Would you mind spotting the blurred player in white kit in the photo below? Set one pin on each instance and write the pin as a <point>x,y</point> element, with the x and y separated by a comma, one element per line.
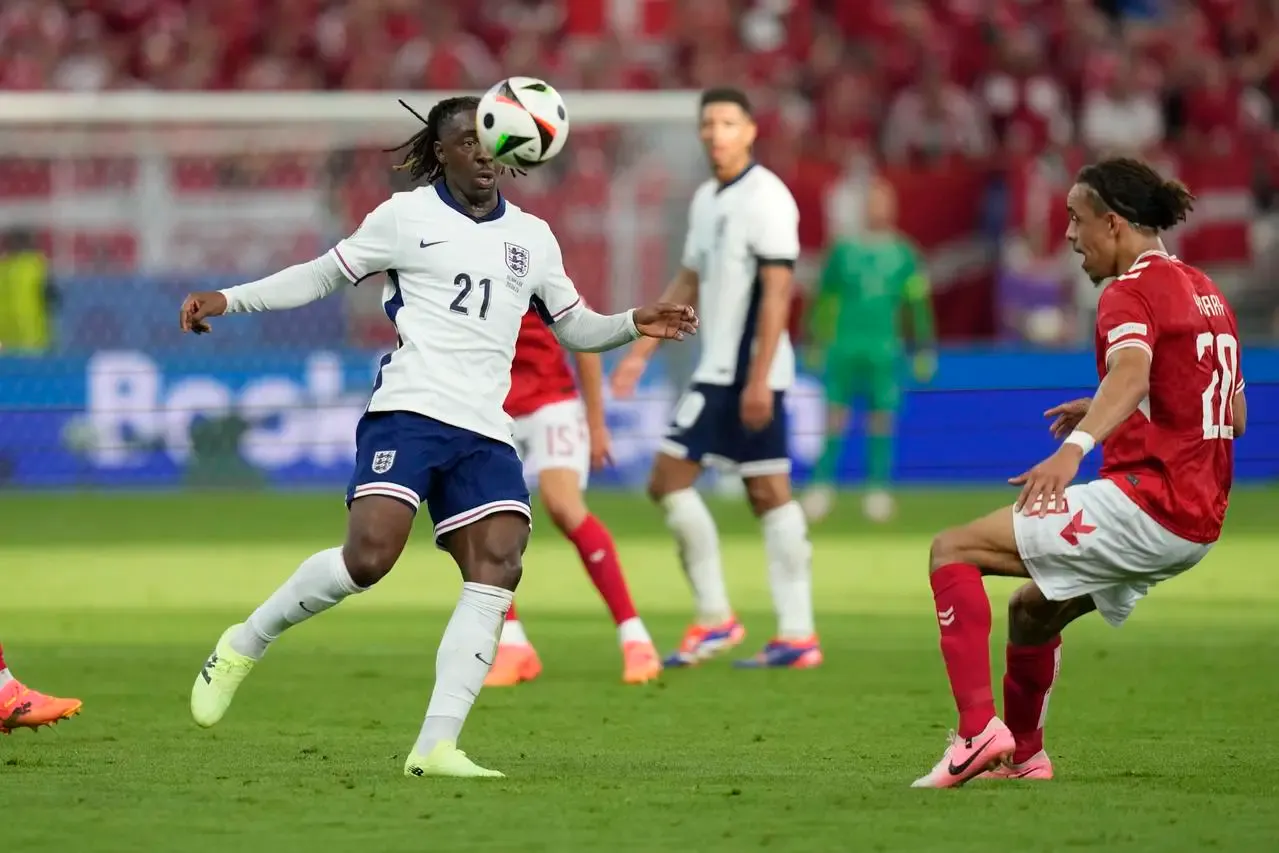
<point>738,262</point>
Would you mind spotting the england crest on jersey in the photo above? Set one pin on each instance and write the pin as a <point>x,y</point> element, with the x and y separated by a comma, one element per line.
<point>382,461</point>
<point>517,259</point>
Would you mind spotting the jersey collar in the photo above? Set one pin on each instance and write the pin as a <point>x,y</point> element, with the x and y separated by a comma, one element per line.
<point>442,190</point>
<point>743,173</point>
<point>1155,253</point>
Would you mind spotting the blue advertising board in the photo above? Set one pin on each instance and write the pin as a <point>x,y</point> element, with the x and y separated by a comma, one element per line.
<point>128,418</point>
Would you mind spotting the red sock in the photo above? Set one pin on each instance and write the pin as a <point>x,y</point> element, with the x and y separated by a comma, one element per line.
<point>1027,685</point>
<point>511,615</point>
<point>963,613</point>
<point>599,557</point>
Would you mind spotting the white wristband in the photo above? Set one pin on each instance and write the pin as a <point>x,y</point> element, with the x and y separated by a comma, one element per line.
<point>1082,440</point>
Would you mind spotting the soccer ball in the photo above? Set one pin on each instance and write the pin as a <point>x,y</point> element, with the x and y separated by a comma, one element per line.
<point>522,122</point>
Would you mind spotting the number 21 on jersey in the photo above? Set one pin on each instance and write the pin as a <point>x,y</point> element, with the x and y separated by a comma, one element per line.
<point>1219,415</point>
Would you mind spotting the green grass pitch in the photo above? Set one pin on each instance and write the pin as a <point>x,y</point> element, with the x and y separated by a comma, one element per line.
<point>1160,732</point>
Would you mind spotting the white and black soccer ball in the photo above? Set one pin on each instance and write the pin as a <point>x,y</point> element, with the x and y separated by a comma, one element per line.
<point>522,122</point>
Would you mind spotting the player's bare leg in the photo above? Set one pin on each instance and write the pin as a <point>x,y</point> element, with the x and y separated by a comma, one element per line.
<point>958,560</point>
<point>489,554</point>
<point>24,708</point>
<point>877,504</point>
<point>819,498</point>
<point>715,628</point>
<point>378,528</point>
<point>561,493</point>
<point>789,553</point>
<point>1034,660</point>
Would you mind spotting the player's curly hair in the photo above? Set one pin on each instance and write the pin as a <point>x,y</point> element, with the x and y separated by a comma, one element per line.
<point>420,159</point>
<point>1137,192</point>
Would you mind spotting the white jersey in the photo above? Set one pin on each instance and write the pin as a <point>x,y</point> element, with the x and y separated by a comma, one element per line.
<point>733,229</point>
<point>457,288</point>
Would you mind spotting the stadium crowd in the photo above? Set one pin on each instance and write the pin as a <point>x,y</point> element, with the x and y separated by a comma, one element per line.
<point>989,101</point>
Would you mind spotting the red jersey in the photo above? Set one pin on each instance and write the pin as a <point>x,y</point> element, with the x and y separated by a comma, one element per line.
<point>1174,456</point>
<point>539,372</point>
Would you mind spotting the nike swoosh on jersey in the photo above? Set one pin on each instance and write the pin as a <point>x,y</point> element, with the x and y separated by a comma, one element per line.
<point>422,244</point>
<point>956,770</point>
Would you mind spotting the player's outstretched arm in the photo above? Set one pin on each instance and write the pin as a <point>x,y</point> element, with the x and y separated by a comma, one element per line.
<point>294,287</point>
<point>581,329</point>
<point>682,290</point>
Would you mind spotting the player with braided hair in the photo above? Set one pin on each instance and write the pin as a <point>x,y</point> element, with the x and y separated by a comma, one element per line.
<point>1167,411</point>
<point>463,266</point>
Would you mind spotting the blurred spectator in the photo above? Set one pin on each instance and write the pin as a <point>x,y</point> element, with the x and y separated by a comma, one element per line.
<point>1027,105</point>
<point>1118,115</point>
<point>1035,294</point>
<point>1211,107</point>
<point>933,119</point>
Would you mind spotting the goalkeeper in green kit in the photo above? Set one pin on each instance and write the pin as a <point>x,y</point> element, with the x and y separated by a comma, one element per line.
<point>856,338</point>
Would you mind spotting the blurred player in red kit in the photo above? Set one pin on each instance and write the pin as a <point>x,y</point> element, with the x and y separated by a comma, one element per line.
<point>24,708</point>
<point>1167,411</point>
<point>561,438</point>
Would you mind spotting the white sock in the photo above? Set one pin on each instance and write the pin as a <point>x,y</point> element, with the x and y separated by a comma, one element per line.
<point>5,677</point>
<point>319,583</point>
<point>465,656</point>
<point>790,570</point>
<point>633,631</point>
<point>513,634</point>
<point>698,541</point>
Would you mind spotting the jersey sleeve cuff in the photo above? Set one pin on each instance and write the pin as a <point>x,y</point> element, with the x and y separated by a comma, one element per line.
<point>344,266</point>
<point>1130,343</point>
<point>762,262</point>
<point>565,310</point>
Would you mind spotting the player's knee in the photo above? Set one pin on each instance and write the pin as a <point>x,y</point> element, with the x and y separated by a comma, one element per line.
<point>659,486</point>
<point>369,557</point>
<point>767,493</point>
<point>947,548</point>
<point>670,475</point>
<point>1028,623</point>
<point>498,569</point>
<point>566,513</point>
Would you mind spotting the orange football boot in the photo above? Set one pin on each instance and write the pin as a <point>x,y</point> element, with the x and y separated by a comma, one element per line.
<point>24,708</point>
<point>640,662</point>
<point>514,663</point>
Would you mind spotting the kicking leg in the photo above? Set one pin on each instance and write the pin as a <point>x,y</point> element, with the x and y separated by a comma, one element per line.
<point>378,528</point>
<point>958,559</point>
<point>1034,660</point>
<point>789,555</point>
<point>489,553</point>
<point>561,492</point>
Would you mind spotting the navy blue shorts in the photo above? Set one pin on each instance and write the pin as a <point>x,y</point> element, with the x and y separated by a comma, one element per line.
<point>460,475</point>
<point>707,428</point>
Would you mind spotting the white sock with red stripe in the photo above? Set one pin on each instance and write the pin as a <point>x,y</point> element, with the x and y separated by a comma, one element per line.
<point>319,583</point>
